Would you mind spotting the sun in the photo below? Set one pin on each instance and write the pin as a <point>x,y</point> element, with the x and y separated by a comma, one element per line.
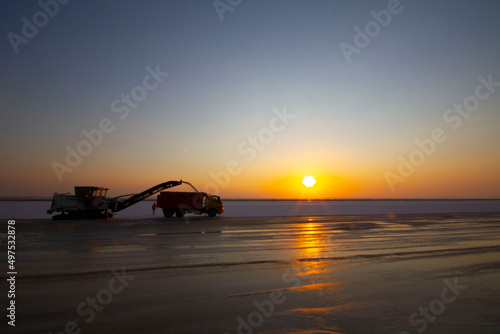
<point>309,181</point>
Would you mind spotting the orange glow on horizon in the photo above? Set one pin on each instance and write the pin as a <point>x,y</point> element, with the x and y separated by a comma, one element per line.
<point>323,187</point>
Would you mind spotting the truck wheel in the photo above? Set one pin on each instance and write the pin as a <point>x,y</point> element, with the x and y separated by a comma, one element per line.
<point>179,213</point>
<point>212,212</point>
<point>168,213</point>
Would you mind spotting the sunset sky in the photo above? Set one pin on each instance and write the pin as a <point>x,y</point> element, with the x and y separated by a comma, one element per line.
<point>246,100</point>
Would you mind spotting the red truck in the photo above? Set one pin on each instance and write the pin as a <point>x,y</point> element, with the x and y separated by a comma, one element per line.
<point>189,202</point>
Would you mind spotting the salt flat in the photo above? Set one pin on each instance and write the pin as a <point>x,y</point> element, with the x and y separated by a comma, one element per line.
<point>436,273</point>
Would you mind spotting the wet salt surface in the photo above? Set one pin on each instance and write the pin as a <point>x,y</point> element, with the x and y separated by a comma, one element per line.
<point>342,274</point>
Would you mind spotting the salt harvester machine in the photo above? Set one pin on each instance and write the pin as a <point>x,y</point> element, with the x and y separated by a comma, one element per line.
<point>91,202</point>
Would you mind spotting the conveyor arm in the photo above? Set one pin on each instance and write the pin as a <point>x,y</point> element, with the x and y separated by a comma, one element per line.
<point>118,206</point>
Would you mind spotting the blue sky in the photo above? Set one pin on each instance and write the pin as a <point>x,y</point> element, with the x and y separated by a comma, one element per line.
<point>225,79</point>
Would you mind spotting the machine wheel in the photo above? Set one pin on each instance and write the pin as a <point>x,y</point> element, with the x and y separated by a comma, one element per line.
<point>61,216</point>
<point>168,213</point>
<point>179,213</point>
<point>212,212</point>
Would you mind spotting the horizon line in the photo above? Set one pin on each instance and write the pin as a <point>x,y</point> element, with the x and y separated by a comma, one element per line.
<point>44,198</point>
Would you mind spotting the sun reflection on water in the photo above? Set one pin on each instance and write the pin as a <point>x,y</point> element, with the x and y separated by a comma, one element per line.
<point>312,240</point>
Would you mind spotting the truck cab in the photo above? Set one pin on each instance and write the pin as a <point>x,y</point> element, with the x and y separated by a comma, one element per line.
<point>214,202</point>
